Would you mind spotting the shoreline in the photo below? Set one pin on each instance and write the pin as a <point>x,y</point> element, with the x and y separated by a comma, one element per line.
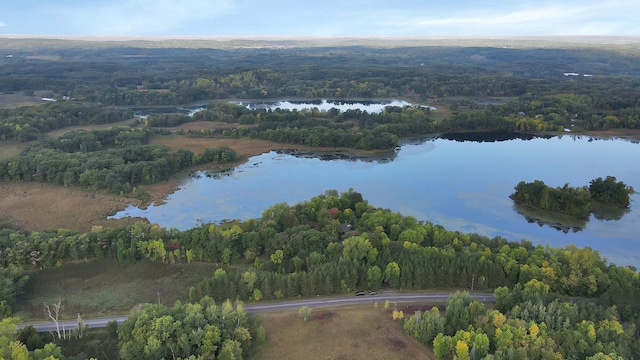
<point>36,206</point>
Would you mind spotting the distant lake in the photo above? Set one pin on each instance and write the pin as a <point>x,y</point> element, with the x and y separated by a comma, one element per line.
<point>489,101</point>
<point>461,185</point>
<point>373,106</point>
<point>370,106</point>
<point>144,112</point>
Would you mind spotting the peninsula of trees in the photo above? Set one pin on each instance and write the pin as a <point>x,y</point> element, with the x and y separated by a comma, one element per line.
<point>295,251</point>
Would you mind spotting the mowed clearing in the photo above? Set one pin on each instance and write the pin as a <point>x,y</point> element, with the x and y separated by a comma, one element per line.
<point>350,333</point>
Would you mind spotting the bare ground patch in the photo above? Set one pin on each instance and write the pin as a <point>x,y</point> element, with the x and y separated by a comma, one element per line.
<point>361,332</point>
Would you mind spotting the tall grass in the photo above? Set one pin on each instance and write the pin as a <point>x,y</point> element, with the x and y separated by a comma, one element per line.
<point>105,287</point>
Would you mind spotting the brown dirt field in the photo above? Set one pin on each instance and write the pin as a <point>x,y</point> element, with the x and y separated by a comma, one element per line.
<point>351,333</point>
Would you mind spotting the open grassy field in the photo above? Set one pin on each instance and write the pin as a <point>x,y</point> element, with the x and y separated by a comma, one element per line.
<point>38,206</point>
<point>59,132</point>
<point>349,333</point>
<point>104,287</point>
<point>9,149</point>
<point>15,99</point>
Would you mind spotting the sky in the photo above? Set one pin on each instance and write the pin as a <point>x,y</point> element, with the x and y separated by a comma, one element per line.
<point>327,18</point>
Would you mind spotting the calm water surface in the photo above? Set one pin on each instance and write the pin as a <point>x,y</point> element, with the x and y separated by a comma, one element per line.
<point>460,185</point>
<point>325,105</point>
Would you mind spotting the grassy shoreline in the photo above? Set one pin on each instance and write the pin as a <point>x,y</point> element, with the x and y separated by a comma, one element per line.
<point>37,206</point>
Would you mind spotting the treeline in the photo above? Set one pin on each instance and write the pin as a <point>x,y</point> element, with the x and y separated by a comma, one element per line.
<point>573,201</point>
<point>352,128</point>
<point>546,106</point>
<point>363,130</point>
<point>302,250</point>
<point>199,330</point>
<point>217,111</point>
<point>28,122</point>
<point>610,191</point>
<point>526,324</point>
<point>117,159</point>
<point>608,99</point>
<point>593,105</point>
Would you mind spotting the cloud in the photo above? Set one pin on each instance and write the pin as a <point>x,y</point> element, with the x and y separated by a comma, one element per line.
<point>141,17</point>
<point>327,18</point>
<point>542,19</point>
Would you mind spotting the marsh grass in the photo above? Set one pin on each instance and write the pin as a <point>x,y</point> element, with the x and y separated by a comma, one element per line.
<point>105,287</point>
<point>11,148</point>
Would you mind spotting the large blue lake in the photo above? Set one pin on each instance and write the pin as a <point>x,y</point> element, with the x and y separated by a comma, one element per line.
<point>462,185</point>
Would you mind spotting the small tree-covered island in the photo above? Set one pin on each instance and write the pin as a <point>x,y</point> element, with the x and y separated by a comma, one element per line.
<point>603,197</point>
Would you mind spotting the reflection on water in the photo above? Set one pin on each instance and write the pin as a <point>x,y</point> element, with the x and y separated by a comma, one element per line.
<point>485,136</point>
<point>380,157</point>
<point>460,185</point>
<point>609,213</point>
<point>554,221</point>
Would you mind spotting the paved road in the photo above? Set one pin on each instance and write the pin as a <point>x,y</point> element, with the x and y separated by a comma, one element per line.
<point>288,305</point>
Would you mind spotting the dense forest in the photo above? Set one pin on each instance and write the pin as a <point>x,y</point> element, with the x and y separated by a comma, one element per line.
<point>302,250</point>
<point>96,85</point>
<point>201,330</point>
<point>551,303</point>
<point>116,159</point>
